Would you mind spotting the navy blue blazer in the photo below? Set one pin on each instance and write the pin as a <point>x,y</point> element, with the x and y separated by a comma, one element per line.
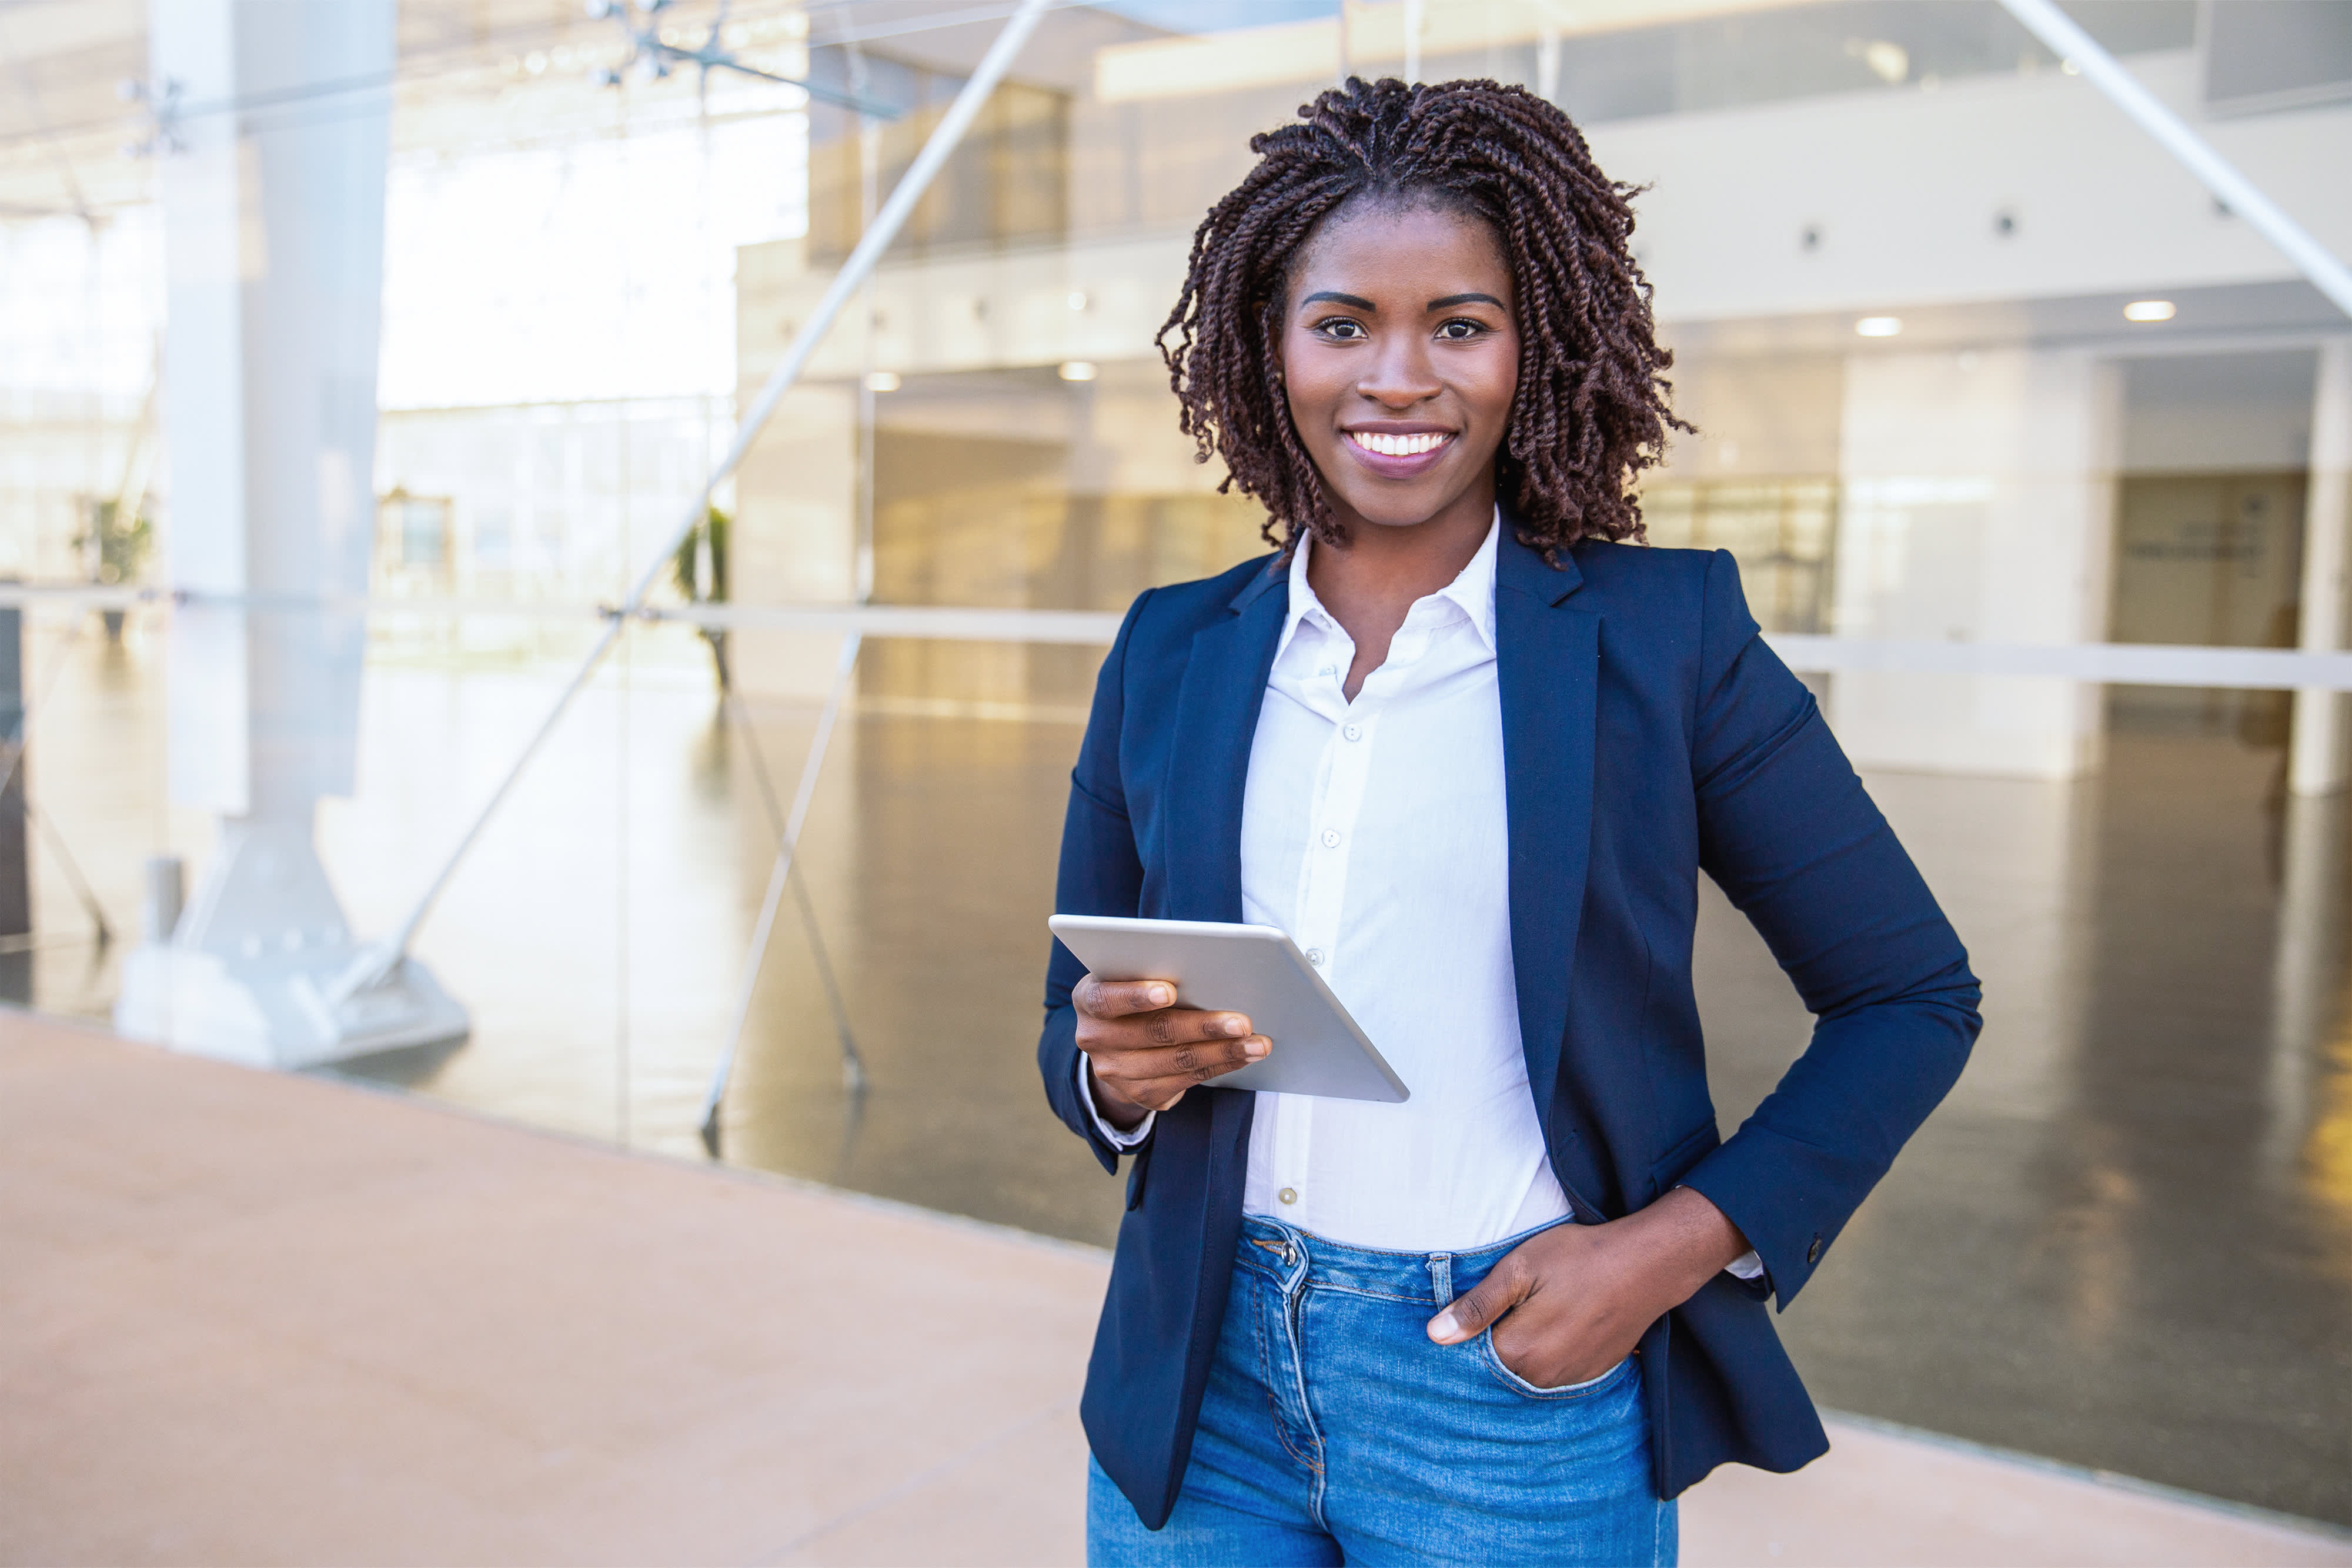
<point>1648,734</point>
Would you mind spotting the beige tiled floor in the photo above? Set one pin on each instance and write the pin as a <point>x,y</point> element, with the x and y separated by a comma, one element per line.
<point>256,1318</point>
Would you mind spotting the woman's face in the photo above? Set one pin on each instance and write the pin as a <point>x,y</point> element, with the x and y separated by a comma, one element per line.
<point>1399,353</point>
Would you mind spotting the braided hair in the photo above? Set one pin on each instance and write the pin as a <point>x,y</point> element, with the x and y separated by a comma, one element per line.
<point>1591,408</point>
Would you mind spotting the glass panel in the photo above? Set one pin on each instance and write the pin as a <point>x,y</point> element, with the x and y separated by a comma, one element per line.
<point>929,871</point>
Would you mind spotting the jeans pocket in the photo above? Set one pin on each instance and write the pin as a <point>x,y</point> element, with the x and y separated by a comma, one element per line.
<point>1511,1380</point>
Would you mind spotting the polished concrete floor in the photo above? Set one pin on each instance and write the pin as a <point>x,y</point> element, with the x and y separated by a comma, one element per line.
<point>2125,1243</point>
<point>2126,1239</point>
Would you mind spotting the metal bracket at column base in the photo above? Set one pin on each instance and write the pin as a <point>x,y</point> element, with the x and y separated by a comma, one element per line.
<point>275,1011</point>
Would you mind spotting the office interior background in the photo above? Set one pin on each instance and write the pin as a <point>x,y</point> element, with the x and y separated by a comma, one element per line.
<point>1988,388</point>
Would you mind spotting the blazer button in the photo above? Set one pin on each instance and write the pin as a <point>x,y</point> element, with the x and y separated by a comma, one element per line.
<point>1814,1253</point>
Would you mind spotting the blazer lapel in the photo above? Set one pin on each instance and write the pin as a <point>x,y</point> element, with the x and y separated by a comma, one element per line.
<point>1547,664</point>
<point>1216,721</point>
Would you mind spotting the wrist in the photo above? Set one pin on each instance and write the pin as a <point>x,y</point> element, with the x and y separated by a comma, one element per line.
<point>1679,1243</point>
<point>1117,1109</point>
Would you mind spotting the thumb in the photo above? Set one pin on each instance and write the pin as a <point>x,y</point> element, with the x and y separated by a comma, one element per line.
<point>1478,1309</point>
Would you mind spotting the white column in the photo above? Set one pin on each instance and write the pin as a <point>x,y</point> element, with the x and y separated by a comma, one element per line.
<point>2305,979</point>
<point>1976,505</point>
<point>2321,760</point>
<point>273,211</point>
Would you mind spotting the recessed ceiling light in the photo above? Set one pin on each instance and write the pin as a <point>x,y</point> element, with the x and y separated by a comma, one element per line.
<point>2149,310</point>
<point>1077,369</point>
<point>882,381</point>
<point>1879,326</point>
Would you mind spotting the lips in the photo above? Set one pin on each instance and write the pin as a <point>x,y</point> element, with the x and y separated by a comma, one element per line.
<point>1398,454</point>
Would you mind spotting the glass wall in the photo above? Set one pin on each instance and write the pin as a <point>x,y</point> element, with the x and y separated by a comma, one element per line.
<point>1981,380</point>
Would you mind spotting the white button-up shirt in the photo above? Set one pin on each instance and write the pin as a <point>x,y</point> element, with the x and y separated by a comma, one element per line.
<point>1374,833</point>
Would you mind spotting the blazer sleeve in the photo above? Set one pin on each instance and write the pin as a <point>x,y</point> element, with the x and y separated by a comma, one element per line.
<point>1789,833</point>
<point>1100,875</point>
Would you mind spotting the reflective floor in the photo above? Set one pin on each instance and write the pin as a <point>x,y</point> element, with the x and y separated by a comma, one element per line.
<point>2125,1241</point>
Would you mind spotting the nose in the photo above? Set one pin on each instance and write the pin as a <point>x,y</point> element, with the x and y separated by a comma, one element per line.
<point>1399,374</point>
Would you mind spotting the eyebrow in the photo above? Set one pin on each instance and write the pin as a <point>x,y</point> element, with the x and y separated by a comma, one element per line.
<point>1360,303</point>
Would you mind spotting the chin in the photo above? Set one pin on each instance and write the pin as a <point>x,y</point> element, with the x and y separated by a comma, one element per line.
<point>1404,518</point>
<point>1394,510</point>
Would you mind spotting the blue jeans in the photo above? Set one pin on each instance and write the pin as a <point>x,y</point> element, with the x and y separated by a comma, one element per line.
<point>1334,1431</point>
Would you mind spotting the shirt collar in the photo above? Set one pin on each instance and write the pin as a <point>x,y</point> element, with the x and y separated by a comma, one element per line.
<point>1473,589</point>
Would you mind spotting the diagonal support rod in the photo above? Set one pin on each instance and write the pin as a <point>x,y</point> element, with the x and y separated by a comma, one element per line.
<point>2067,40</point>
<point>22,737</point>
<point>380,960</point>
<point>853,1065</point>
<point>100,931</point>
<point>778,875</point>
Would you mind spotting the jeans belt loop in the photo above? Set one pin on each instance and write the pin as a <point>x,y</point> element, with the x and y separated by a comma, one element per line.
<point>1441,1277</point>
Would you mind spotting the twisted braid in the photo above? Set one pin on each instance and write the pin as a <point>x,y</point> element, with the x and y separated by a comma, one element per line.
<point>1591,410</point>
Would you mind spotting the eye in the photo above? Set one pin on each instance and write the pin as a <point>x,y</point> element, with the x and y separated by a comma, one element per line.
<point>1461,330</point>
<point>1342,328</point>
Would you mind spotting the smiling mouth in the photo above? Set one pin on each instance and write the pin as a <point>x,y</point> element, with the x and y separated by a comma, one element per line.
<point>1385,445</point>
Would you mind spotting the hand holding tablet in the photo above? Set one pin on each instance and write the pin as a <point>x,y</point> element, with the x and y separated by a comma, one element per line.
<point>1149,1056</point>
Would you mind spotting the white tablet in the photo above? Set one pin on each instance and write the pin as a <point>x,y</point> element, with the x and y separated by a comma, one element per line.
<point>1251,969</point>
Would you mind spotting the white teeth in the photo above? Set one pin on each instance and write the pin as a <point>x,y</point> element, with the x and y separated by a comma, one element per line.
<point>1397,446</point>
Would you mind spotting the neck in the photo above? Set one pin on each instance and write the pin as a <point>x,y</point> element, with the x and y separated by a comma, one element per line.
<point>1369,583</point>
<point>1392,564</point>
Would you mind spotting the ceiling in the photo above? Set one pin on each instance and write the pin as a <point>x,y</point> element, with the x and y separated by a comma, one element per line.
<point>66,125</point>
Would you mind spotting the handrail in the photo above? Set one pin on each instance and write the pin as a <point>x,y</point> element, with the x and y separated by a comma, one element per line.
<point>2118,663</point>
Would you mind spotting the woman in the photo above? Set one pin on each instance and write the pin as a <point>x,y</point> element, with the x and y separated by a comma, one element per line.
<point>1470,745</point>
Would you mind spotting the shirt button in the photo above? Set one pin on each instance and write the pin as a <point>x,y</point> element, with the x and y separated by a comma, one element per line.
<point>1354,732</point>
<point>1330,838</point>
<point>1289,1194</point>
<point>1329,670</point>
<point>1315,956</point>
